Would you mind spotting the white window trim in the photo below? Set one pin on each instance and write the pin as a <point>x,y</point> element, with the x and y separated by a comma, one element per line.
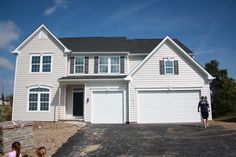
<point>39,95</point>
<point>169,67</point>
<point>78,65</point>
<point>41,63</point>
<point>108,64</point>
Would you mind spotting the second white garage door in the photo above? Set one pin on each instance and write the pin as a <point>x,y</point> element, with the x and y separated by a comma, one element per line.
<point>107,107</point>
<point>167,106</point>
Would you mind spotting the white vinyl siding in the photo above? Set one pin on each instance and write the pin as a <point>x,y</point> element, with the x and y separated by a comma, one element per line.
<point>134,61</point>
<point>24,79</point>
<point>79,65</point>
<point>148,77</point>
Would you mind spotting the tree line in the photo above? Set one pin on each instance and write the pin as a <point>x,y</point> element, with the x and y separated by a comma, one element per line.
<point>223,90</point>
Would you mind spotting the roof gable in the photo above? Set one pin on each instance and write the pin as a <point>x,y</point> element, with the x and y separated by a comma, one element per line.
<point>42,27</point>
<point>180,50</point>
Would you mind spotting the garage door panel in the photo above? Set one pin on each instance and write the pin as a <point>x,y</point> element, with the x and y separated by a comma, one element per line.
<point>107,107</point>
<point>167,106</point>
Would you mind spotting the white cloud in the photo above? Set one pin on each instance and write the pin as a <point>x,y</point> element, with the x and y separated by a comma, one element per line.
<point>57,4</point>
<point>6,64</point>
<point>208,50</point>
<point>128,11</point>
<point>9,33</point>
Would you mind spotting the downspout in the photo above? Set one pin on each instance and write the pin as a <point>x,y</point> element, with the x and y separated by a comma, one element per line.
<point>128,104</point>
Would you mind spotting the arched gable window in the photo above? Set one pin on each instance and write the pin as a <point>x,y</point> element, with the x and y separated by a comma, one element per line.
<point>38,98</point>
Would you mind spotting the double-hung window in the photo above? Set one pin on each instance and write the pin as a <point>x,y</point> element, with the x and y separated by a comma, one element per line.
<point>79,65</point>
<point>169,66</point>
<point>35,64</point>
<point>103,64</point>
<point>38,99</point>
<point>115,64</point>
<point>109,64</point>
<point>41,63</point>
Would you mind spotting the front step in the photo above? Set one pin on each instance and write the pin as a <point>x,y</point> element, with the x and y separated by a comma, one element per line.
<point>72,120</point>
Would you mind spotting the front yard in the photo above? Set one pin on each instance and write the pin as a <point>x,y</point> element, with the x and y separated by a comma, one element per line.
<point>52,135</point>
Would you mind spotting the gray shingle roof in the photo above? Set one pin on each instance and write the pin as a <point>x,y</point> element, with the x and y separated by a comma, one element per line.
<point>92,77</point>
<point>114,44</point>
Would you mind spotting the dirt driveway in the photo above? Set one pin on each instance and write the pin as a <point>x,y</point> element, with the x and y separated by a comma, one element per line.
<point>166,140</point>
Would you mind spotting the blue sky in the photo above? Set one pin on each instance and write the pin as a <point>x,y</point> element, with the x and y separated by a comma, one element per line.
<point>207,27</point>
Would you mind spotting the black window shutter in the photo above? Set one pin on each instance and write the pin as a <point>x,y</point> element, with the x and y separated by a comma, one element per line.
<point>122,65</point>
<point>72,62</point>
<point>176,67</point>
<point>162,68</point>
<point>96,65</point>
<point>86,65</point>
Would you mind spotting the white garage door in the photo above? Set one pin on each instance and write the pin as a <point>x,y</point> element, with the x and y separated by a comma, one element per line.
<point>168,106</point>
<point>107,107</point>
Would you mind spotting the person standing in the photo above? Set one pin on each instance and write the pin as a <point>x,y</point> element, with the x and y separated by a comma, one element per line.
<point>204,107</point>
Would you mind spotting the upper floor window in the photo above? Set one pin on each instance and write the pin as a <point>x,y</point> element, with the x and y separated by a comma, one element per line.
<point>109,64</point>
<point>115,64</point>
<point>79,64</point>
<point>41,63</point>
<point>103,64</point>
<point>38,99</point>
<point>169,67</point>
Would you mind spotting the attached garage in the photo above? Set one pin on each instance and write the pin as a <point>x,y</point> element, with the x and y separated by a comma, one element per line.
<point>168,106</point>
<point>107,107</point>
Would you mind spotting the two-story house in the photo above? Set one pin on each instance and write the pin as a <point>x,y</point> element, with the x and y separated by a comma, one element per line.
<point>107,80</point>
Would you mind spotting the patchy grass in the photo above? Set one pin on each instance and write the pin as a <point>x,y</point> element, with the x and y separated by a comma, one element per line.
<point>6,112</point>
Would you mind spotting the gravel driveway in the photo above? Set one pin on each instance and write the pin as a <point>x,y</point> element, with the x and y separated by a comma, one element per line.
<point>162,140</point>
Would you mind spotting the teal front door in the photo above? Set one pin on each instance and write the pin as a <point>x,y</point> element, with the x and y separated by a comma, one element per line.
<point>78,104</point>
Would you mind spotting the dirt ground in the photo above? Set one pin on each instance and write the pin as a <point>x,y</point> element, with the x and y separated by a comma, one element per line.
<point>226,125</point>
<point>52,135</point>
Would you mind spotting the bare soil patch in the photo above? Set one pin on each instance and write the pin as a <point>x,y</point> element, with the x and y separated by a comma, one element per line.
<point>51,135</point>
<point>226,125</point>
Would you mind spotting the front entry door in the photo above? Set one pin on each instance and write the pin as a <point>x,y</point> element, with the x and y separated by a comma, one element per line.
<point>78,103</point>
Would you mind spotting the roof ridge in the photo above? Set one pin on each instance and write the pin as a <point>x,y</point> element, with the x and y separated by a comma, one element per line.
<point>91,37</point>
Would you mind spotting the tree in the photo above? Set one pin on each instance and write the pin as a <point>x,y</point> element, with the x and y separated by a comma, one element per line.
<point>223,90</point>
